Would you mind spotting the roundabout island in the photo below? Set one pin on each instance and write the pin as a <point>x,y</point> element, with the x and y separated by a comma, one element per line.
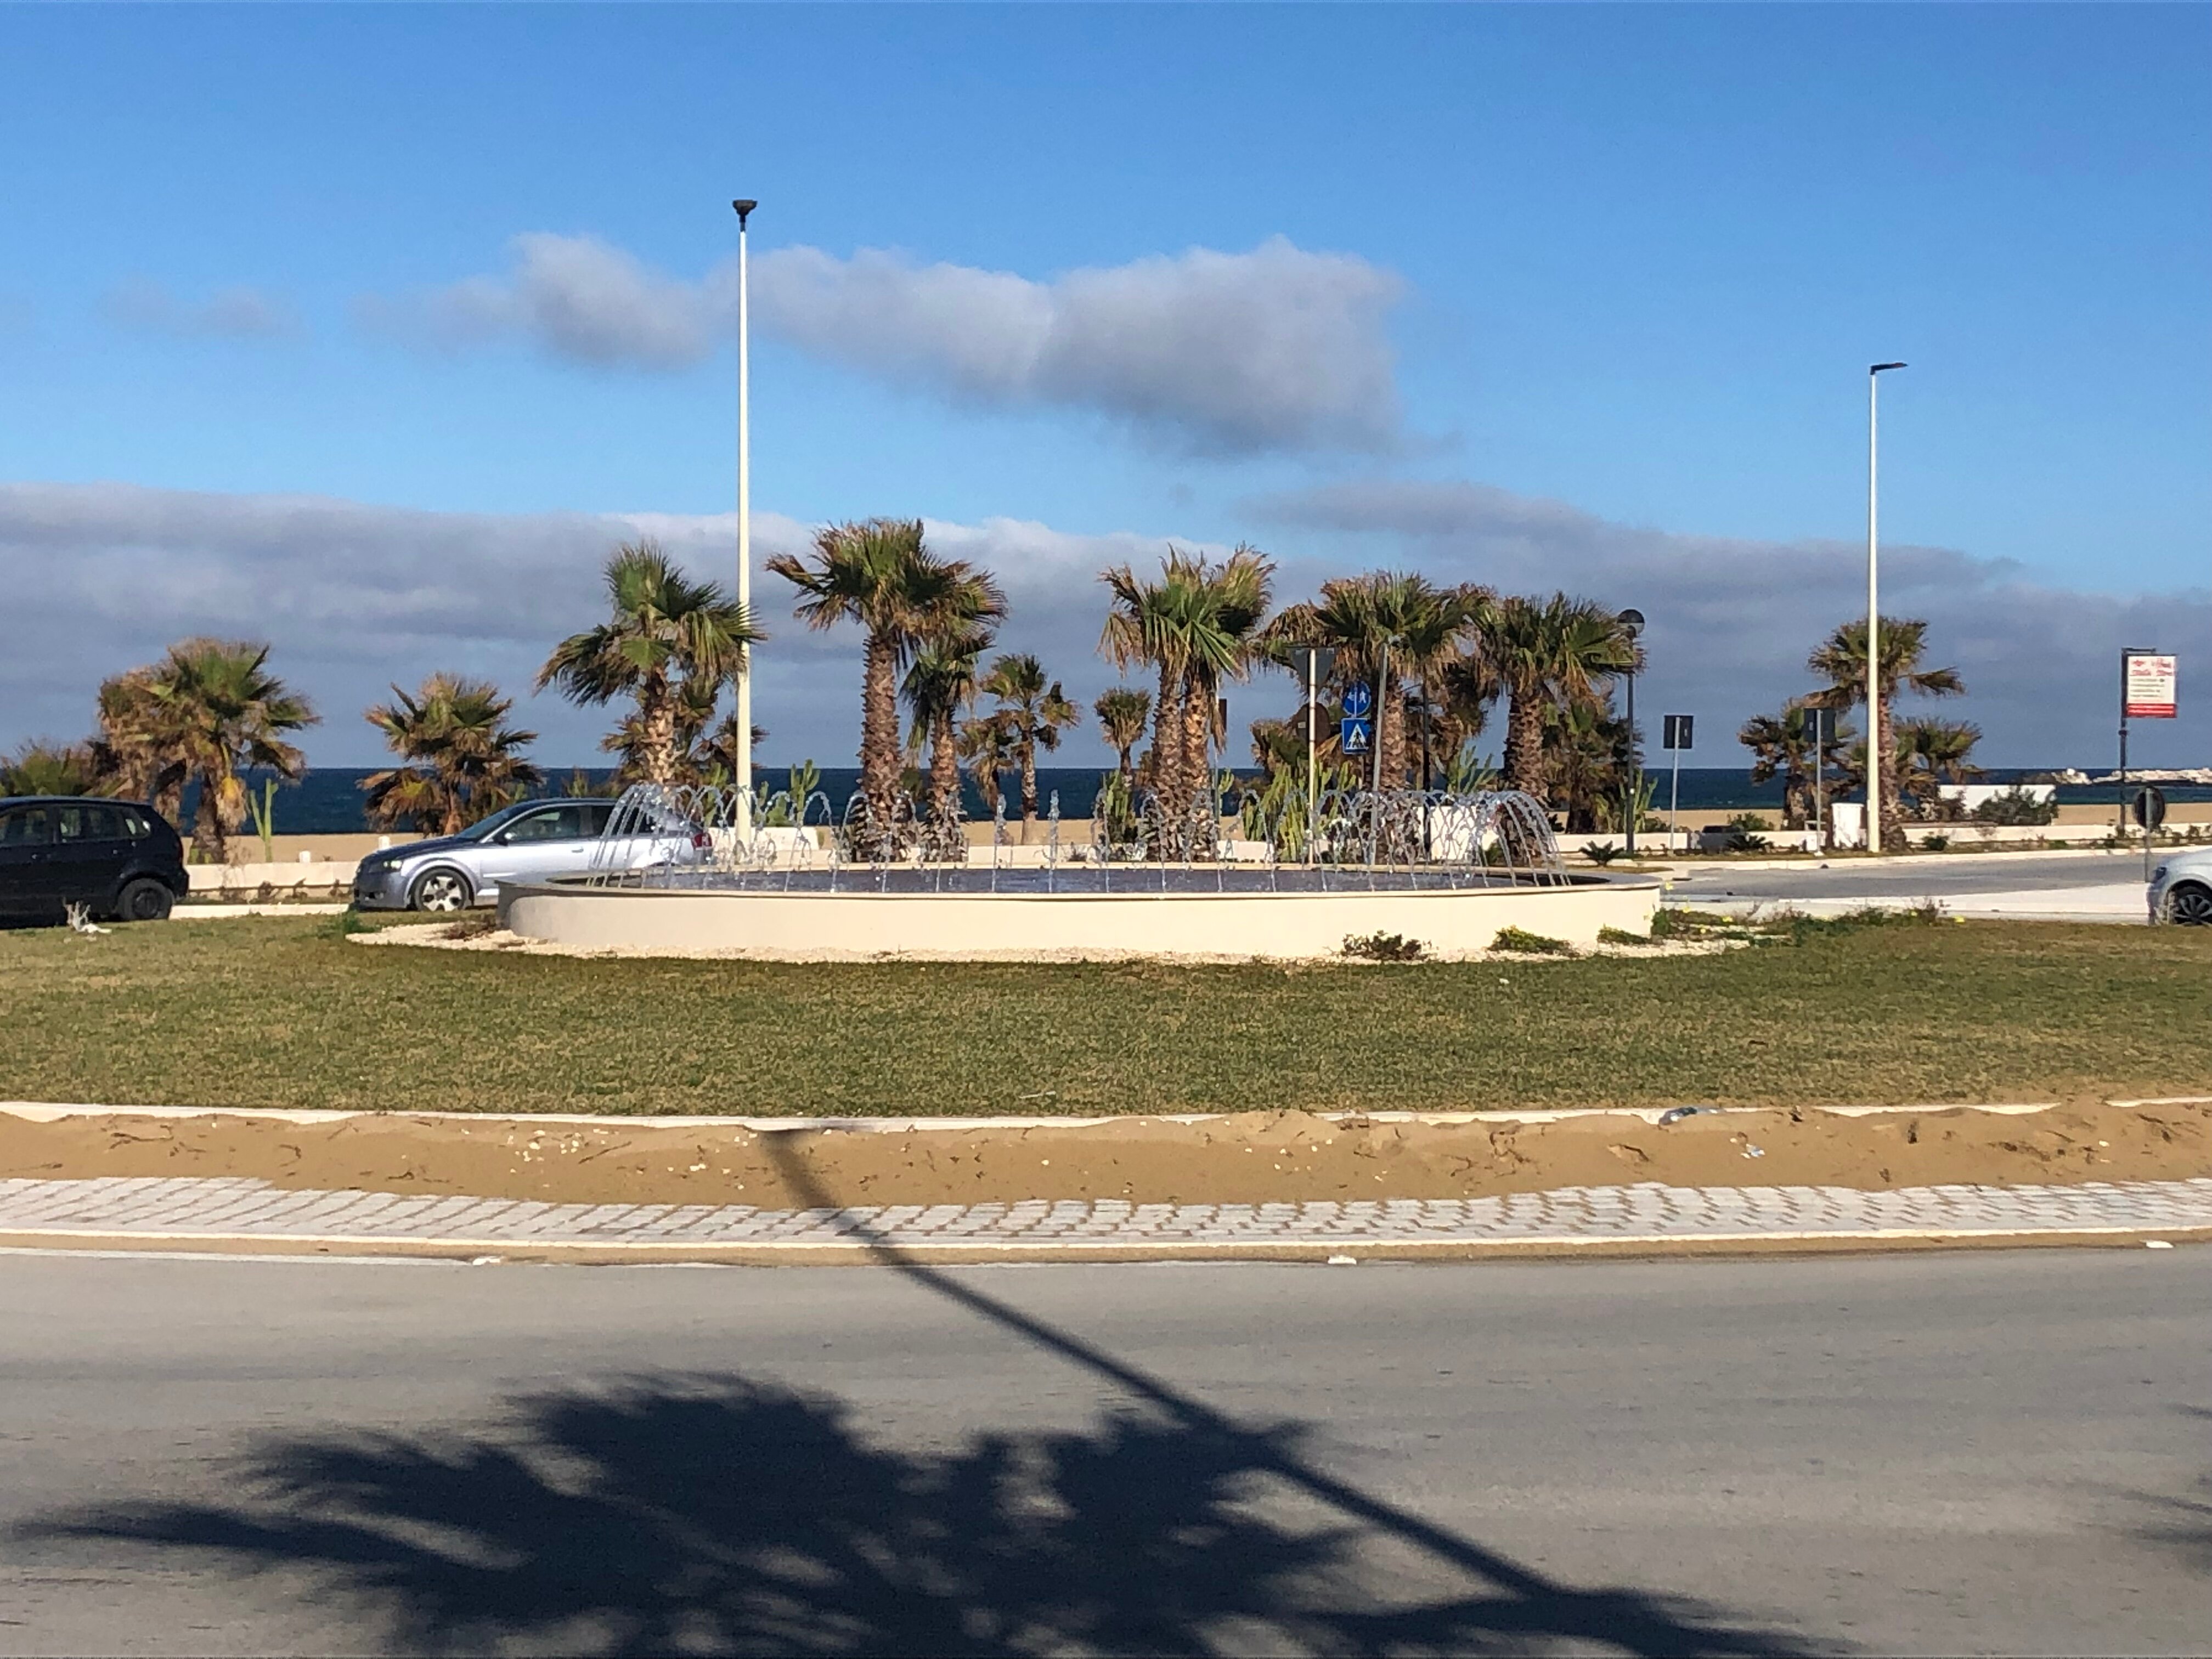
<point>684,872</point>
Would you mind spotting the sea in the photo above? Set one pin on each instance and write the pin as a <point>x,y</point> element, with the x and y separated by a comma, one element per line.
<point>328,800</point>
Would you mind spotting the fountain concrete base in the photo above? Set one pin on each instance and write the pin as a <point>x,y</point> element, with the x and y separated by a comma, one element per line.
<point>768,924</point>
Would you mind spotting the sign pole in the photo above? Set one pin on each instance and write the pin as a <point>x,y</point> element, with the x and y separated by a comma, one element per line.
<point>1675,802</point>
<point>1381,714</point>
<point>1819,777</point>
<point>1313,766</point>
<point>2125,652</point>
<point>1635,771</point>
<point>1676,731</point>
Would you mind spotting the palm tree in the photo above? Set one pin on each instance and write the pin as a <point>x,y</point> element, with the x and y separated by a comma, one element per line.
<point>1122,711</point>
<point>1585,751</point>
<point>1466,688</point>
<point>1388,627</point>
<point>881,574</point>
<point>669,641</point>
<point>939,682</point>
<point>463,762</point>
<point>137,754</point>
<point>217,710</point>
<point>1199,624</point>
<point>50,769</point>
<point>1034,713</point>
<point>1781,746</point>
<point>715,755</point>
<point>1145,625</point>
<point>1932,753</point>
<point>1841,660</point>
<point>986,746</point>
<point>1548,653</point>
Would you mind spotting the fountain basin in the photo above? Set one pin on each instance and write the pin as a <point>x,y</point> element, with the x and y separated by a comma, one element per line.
<point>1194,919</point>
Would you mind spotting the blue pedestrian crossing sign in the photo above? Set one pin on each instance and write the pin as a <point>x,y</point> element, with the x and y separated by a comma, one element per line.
<point>1355,737</point>
<point>1358,701</point>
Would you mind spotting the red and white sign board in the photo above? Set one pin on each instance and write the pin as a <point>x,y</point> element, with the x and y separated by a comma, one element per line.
<point>2150,689</point>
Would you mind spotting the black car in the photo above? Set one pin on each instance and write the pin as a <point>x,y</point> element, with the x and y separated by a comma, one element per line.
<point>118,859</point>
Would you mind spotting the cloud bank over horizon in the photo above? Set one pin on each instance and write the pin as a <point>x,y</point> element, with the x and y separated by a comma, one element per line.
<point>1203,352</point>
<point>355,596</point>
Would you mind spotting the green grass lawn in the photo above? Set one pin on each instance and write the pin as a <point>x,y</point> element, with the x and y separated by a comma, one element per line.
<point>287,1013</point>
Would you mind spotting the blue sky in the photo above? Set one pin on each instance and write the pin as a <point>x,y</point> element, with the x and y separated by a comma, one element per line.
<point>1561,295</point>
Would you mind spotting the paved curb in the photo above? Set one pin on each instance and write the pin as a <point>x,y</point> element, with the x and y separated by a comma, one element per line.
<point>243,1216</point>
<point>491,1252</point>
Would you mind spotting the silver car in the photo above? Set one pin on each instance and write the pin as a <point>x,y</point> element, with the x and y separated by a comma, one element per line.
<point>2181,889</point>
<point>534,842</point>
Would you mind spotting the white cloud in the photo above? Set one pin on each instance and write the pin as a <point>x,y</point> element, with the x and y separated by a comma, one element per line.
<point>1278,348</point>
<point>1227,353</point>
<point>235,313</point>
<point>576,297</point>
<point>1731,621</point>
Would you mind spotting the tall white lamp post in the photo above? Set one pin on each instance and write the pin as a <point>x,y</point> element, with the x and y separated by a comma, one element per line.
<point>1875,756</point>
<point>745,779</point>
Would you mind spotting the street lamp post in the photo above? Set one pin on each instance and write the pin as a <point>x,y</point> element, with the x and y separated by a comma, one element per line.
<point>1631,623</point>
<point>744,756</point>
<point>1875,756</point>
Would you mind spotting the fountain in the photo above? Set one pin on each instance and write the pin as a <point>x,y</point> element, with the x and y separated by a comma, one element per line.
<point>683,871</point>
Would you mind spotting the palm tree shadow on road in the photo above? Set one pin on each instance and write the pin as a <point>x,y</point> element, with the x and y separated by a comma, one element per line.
<point>674,1514</point>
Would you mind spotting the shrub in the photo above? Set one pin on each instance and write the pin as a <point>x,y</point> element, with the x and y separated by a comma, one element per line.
<point>1926,914</point>
<point>1527,944</point>
<point>1383,947</point>
<point>1744,835</point>
<point>1602,852</point>
<point>1622,936</point>
<point>1935,843</point>
<point>2016,805</point>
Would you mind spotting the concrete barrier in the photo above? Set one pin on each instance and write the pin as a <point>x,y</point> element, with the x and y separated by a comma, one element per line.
<point>277,878</point>
<point>777,924</point>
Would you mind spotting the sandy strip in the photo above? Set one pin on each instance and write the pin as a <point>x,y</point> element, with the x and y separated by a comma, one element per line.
<point>1249,1157</point>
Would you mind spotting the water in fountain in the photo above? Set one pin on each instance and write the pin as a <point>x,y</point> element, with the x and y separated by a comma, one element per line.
<point>664,836</point>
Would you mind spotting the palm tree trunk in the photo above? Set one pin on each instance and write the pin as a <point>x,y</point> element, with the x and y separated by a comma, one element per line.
<point>1391,734</point>
<point>944,768</point>
<point>1197,774</point>
<point>879,741</point>
<point>1524,744</point>
<point>1029,777</point>
<point>210,843</point>
<point>656,719</point>
<point>168,796</point>
<point>1167,741</point>
<point>1893,809</point>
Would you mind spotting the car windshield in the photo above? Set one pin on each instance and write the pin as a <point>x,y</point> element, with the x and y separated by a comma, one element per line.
<point>497,822</point>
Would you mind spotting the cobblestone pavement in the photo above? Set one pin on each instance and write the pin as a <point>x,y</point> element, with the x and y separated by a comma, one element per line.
<point>174,1210</point>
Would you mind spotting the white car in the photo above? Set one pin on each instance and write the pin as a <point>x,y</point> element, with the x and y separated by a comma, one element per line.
<point>534,842</point>
<point>2181,889</point>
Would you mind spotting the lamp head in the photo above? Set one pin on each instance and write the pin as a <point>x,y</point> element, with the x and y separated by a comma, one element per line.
<point>744,207</point>
<point>1877,368</point>
<point>1632,622</point>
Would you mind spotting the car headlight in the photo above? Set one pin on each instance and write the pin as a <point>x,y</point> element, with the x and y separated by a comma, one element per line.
<point>2158,875</point>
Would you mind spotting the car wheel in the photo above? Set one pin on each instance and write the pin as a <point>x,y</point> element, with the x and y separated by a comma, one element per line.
<point>2189,906</point>
<point>440,890</point>
<point>144,900</point>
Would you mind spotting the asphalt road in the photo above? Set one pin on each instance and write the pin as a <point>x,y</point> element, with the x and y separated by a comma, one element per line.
<point>1987,1451</point>
<point>1952,876</point>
